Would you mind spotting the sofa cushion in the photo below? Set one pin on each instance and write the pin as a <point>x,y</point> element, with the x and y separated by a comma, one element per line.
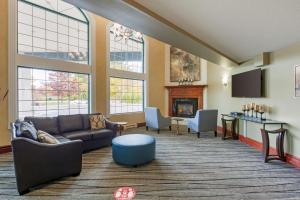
<point>101,133</point>
<point>27,130</point>
<point>46,138</point>
<point>47,124</point>
<point>86,121</point>
<point>78,135</point>
<point>97,122</point>
<point>68,123</point>
<point>61,139</point>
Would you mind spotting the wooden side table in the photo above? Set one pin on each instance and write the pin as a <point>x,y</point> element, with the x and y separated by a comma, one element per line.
<point>233,122</point>
<point>279,144</point>
<point>121,126</point>
<point>177,119</point>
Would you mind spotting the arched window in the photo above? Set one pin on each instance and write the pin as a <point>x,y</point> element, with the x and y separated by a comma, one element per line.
<point>51,61</point>
<point>53,29</point>
<point>126,71</point>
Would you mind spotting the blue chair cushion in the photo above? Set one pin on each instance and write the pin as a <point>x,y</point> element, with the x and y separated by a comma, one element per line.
<point>134,149</point>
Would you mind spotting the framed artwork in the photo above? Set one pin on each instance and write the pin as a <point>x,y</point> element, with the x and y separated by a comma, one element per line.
<point>297,81</point>
<point>184,66</point>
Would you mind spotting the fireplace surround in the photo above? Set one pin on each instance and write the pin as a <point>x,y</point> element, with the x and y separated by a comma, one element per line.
<point>184,107</point>
<point>185,100</point>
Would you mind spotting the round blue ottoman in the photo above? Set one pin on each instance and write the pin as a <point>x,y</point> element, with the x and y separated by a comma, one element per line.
<point>134,149</point>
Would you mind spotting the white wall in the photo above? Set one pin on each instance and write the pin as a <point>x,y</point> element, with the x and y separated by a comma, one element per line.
<point>279,79</point>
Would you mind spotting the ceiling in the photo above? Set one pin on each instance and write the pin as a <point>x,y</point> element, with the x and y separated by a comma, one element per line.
<point>133,15</point>
<point>241,29</point>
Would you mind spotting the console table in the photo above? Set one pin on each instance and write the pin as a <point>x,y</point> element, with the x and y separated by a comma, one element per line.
<point>265,134</point>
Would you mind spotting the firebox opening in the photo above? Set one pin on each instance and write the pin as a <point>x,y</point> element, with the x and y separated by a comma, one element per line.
<point>185,107</point>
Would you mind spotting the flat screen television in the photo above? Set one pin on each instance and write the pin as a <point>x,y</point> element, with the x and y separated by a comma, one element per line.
<point>248,84</point>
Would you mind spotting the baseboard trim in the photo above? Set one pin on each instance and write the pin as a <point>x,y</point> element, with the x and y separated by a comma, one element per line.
<point>291,159</point>
<point>257,145</point>
<point>5,149</point>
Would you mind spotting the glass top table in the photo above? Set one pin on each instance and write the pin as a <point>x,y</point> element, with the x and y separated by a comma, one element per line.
<point>256,120</point>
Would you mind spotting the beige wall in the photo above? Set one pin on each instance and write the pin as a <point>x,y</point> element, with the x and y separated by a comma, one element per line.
<point>280,95</point>
<point>154,56</point>
<point>156,73</point>
<point>4,135</point>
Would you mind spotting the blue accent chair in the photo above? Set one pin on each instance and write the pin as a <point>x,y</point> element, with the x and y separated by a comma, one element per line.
<point>204,121</point>
<point>155,120</point>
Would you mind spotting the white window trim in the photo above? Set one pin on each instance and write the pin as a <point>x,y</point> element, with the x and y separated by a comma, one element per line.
<point>15,60</point>
<point>125,74</point>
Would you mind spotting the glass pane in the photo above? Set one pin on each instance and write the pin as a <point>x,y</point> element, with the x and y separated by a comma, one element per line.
<point>52,35</point>
<point>126,95</point>
<point>49,93</point>
<point>127,56</point>
<point>61,7</point>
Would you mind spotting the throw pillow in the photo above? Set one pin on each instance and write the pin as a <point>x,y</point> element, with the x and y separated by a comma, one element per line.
<point>45,137</point>
<point>97,122</point>
<point>27,129</point>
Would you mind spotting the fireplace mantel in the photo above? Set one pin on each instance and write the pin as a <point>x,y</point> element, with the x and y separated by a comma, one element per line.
<point>185,91</point>
<point>185,86</point>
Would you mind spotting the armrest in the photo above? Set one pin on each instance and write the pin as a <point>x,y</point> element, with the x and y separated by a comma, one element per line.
<point>36,163</point>
<point>27,146</point>
<point>112,126</point>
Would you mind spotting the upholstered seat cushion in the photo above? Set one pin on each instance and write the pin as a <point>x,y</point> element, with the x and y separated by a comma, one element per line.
<point>133,149</point>
<point>61,139</point>
<point>68,123</point>
<point>47,124</point>
<point>78,135</point>
<point>86,121</point>
<point>101,133</point>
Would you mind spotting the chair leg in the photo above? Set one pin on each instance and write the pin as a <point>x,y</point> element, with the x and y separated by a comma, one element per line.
<point>170,128</point>
<point>198,134</point>
<point>189,130</point>
<point>147,128</point>
<point>216,134</point>
<point>158,131</point>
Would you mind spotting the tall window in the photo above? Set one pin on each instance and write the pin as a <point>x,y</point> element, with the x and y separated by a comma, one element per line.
<point>127,77</point>
<point>55,32</point>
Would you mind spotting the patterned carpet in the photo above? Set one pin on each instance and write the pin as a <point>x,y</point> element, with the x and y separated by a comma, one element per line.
<point>185,168</point>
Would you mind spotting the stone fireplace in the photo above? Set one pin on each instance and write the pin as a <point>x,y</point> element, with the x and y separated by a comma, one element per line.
<point>185,100</point>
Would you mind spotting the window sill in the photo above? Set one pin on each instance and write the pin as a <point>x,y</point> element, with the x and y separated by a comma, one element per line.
<point>127,113</point>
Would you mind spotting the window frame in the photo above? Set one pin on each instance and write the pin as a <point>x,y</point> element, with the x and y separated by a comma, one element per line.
<point>15,60</point>
<point>122,74</point>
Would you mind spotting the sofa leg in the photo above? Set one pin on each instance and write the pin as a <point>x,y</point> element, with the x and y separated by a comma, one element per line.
<point>198,134</point>
<point>170,128</point>
<point>147,128</point>
<point>158,131</point>
<point>216,134</point>
<point>189,130</point>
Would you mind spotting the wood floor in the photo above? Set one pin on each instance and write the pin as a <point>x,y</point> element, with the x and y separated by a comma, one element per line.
<point>185,168</point>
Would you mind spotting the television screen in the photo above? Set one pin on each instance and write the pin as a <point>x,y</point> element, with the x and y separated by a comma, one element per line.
<point>247,84</point>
